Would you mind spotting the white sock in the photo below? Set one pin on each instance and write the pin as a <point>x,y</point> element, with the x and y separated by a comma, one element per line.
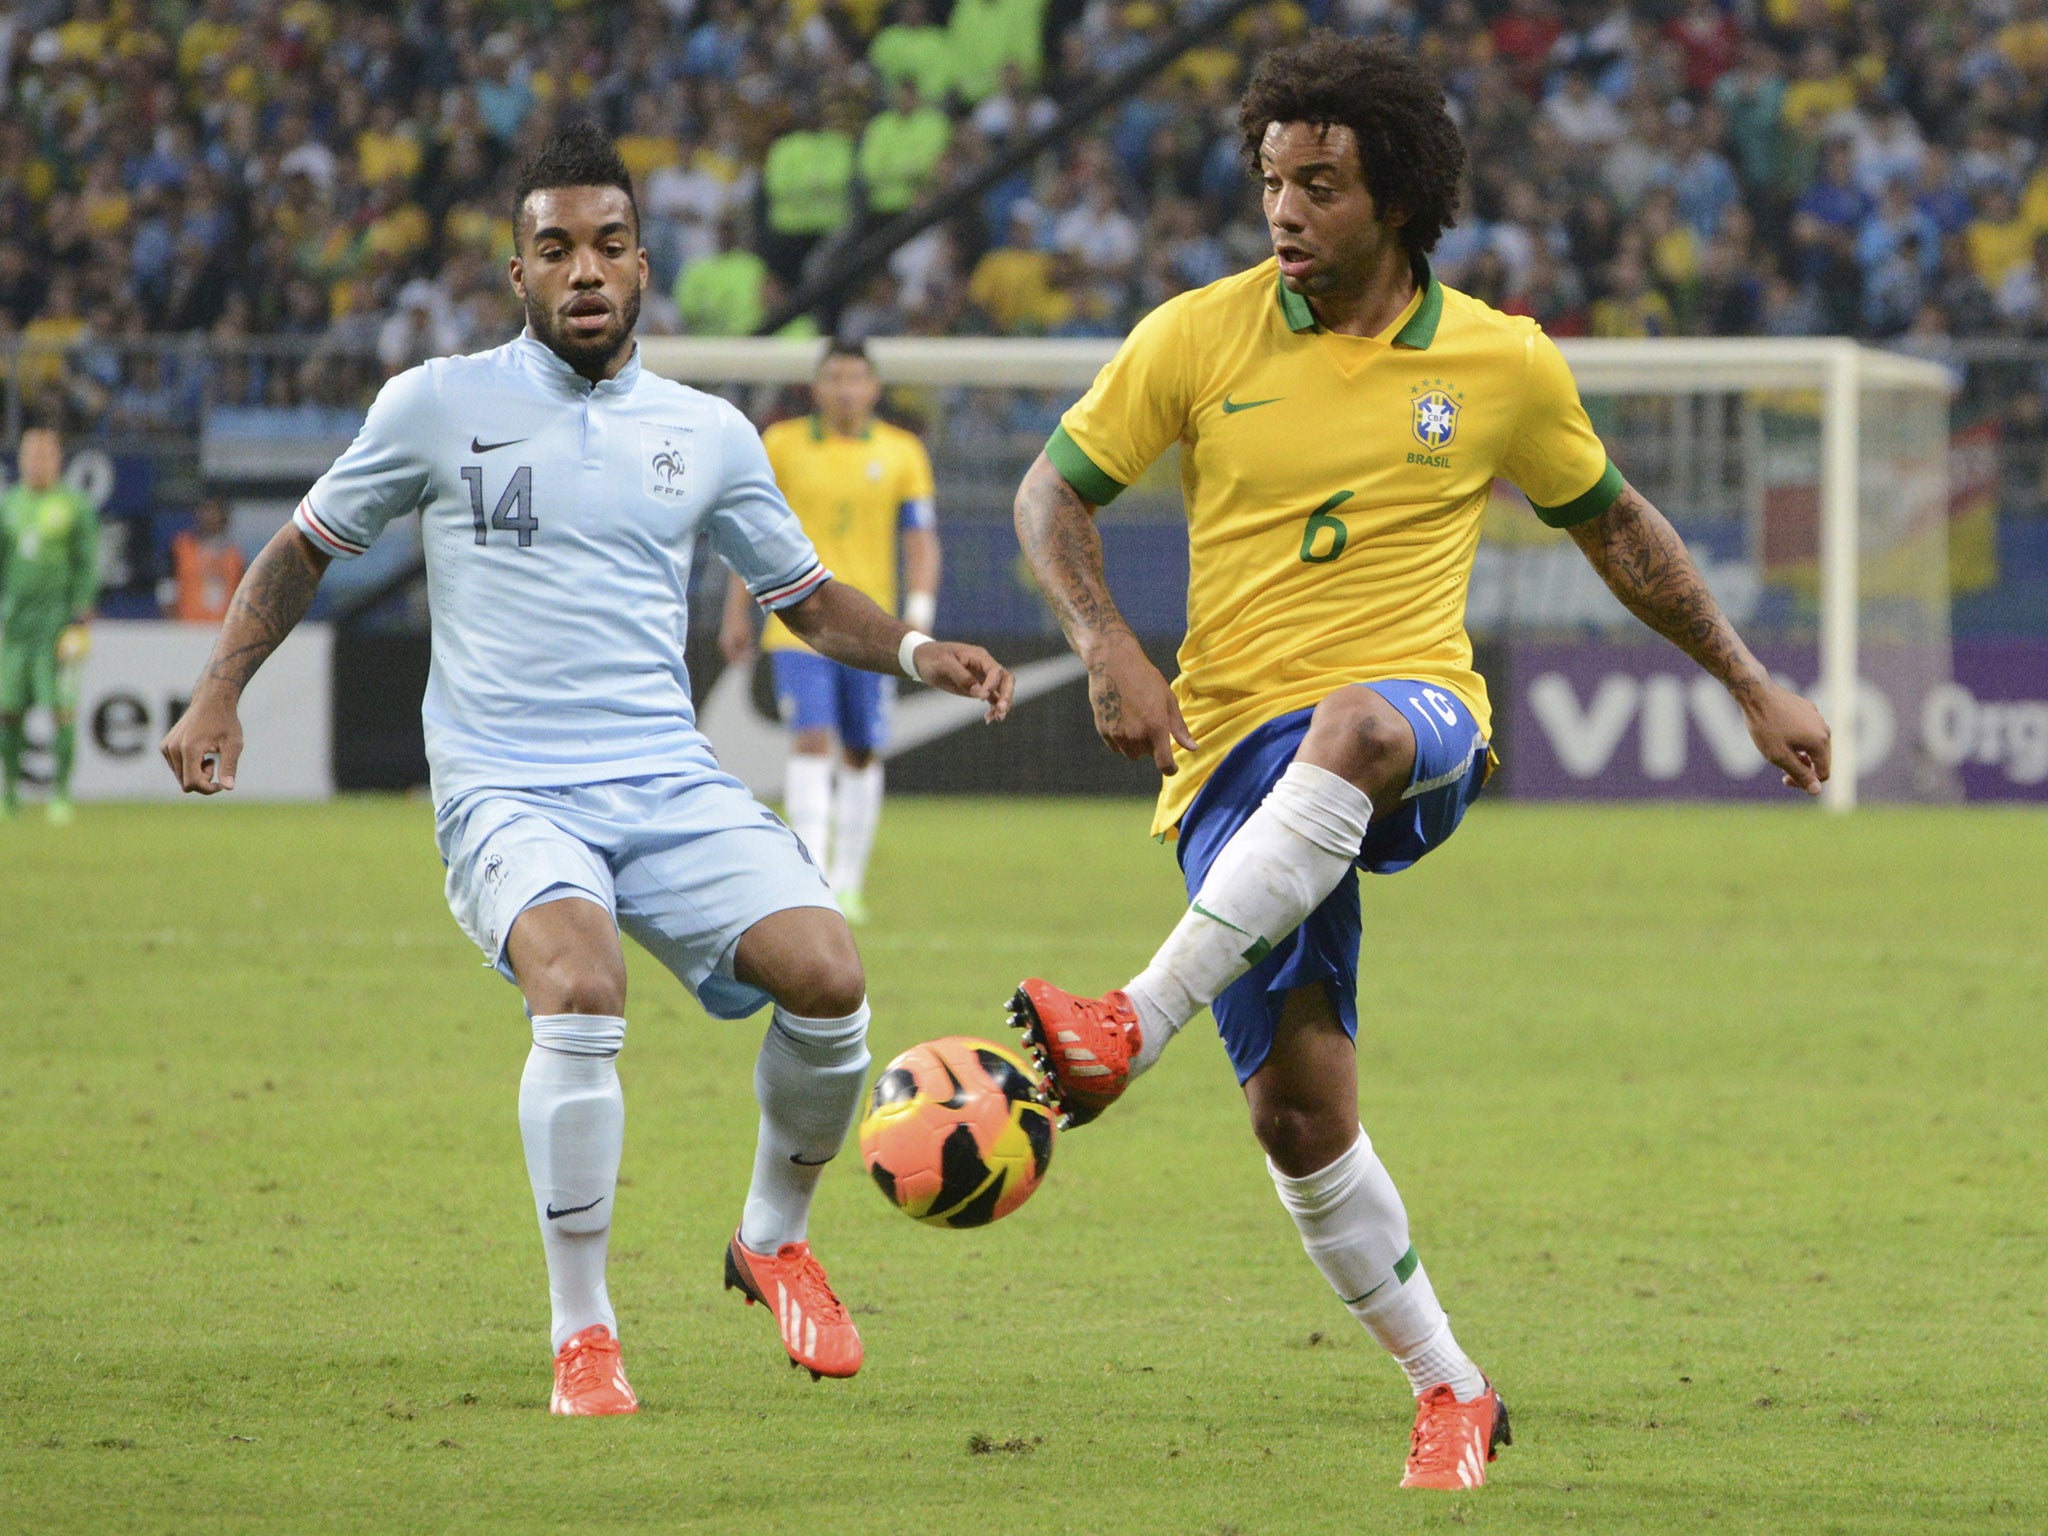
<point>1355,1228</point>
<point>808,1079</point>
<point>807,801</point>
<point>572,1118</point>
<point>856,808</point>
<point>1275,870</point>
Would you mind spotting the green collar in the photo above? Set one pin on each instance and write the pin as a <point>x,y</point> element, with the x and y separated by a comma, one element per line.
<point>1420,330</point>
<point>818,429</point>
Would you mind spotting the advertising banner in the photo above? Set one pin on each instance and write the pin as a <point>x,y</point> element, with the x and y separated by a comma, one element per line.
<point>137,682</point>
<point>1601,719</point>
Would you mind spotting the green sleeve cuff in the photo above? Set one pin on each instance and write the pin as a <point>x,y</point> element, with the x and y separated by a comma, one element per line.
<point>1580,509</point>
<point>1079,471</point>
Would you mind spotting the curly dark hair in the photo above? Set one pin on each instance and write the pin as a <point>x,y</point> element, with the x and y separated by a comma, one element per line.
<point>1410,149</point>
<point>577,154</point>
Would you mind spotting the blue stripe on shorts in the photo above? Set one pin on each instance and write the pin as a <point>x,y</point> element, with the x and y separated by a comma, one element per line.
<point>1450,767</point>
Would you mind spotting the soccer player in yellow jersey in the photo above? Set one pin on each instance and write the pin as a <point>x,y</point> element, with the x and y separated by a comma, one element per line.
<point>1341,417</point>
<point>858,486</point>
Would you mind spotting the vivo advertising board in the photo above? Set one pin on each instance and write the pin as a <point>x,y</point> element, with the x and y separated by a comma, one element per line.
<point>1602,719</point>
<point>138,680</point>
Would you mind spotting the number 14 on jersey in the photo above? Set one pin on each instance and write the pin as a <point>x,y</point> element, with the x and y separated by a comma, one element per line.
<point>514,511</point>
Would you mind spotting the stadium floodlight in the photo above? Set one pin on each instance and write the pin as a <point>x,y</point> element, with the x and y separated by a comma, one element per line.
<point>1837,452</point>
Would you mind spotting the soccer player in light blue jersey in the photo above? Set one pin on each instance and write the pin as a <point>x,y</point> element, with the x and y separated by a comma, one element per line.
<point>561,490</point>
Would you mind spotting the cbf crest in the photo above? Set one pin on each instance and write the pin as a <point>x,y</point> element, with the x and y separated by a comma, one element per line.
<point>664,458</point>
<point>1436,417</point>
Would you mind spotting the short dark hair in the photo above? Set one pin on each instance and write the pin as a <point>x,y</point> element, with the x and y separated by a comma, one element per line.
<point>846,346</point>
<point>1408,147</point>
<point>577,154</point>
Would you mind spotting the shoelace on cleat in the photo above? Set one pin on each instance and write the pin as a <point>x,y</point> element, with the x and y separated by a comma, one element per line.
<point>1437,1441</point>
<point>590,1367</point>
<point>814,1292</point>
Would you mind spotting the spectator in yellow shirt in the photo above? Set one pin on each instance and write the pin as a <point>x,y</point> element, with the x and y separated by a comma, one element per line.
<point>1014,284</point>
<point>1632,308</point>
<point>386,150</point>
<point>649,147</point>
<point>1999,238</point>
<point>210,35</point>
<point>1823,90</point>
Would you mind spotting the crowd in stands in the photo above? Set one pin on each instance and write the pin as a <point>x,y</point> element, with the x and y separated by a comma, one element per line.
<point>339,171</point>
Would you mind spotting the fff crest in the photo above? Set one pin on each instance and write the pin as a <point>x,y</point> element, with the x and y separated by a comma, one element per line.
<point>1436,419</point>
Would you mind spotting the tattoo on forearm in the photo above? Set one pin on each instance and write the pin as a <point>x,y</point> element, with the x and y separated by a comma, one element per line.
<point>271,600</point>
<point>1643,561</point>
<point>1065,550</point>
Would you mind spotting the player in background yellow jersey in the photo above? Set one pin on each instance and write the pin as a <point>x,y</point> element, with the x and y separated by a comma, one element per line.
<point>861,488</point>
<point>1341,417</point>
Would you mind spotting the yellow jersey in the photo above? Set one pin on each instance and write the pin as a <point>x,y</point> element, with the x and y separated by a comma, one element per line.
<point>852,495</point>
<point>1334,487</point>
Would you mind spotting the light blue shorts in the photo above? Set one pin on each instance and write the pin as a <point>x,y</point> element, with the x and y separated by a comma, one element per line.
<point>685,865</point>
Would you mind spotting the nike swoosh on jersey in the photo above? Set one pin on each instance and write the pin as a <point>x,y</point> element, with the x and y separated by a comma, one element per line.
<point>477,445</point>
<point>1232,407</point>
<point>572,1210</point>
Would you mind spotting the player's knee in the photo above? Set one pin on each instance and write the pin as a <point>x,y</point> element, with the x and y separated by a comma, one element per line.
<point>826,982</point>
<point>572,983</point>
<point>1358,734</point>
<point>1301,1138</point>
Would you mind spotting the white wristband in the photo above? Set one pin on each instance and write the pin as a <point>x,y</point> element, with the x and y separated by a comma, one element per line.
<point>908,649</point>
<point>921,610</point>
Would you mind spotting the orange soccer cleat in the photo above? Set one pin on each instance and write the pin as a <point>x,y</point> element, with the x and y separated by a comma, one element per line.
<point>815,1328</point>
<point>1083,1045</point>
<point>589,1378</point>
<point>1454,1441</point>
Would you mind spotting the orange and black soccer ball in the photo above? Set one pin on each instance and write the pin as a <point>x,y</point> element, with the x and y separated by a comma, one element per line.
<point>955,1133</point>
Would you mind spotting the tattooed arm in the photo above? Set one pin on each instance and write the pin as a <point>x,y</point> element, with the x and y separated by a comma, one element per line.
<point>1135,712</point>
<point>1641,558</point>
<point>273,597</point>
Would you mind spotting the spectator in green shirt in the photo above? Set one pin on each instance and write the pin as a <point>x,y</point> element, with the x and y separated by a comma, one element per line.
<point>911,46</point>
<point>900,148</point>
<point>732,292</point>
<point>807,180</point>
<point>725,293</point>
<point>986,35</point>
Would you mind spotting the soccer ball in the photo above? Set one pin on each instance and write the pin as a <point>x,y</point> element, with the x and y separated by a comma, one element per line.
<point>955,1132</point>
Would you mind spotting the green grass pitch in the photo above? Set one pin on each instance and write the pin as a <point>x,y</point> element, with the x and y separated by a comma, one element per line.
<point>1722,1131</point>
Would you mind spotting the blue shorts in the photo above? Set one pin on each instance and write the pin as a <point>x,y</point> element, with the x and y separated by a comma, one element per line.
<point>816,693</point>
<point>1450,767</point>
<point>685,864</point>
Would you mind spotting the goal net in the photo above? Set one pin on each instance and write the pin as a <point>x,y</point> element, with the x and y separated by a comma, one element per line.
<point>1809,478</point>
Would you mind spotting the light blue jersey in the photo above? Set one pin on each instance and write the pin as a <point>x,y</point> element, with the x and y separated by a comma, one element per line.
<point>559,518</point>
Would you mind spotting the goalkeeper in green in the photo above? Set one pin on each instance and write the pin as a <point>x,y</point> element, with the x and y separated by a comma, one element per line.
<point>49,581</point>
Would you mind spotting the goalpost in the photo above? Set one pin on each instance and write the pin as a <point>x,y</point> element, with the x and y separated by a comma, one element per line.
<point>1815,471</point>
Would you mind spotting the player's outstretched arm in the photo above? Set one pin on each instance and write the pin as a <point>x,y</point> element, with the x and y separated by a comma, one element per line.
<point>273,596</point>
<point>1136,714</point>
<point>847,625</point>
<point>1644,562</point>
